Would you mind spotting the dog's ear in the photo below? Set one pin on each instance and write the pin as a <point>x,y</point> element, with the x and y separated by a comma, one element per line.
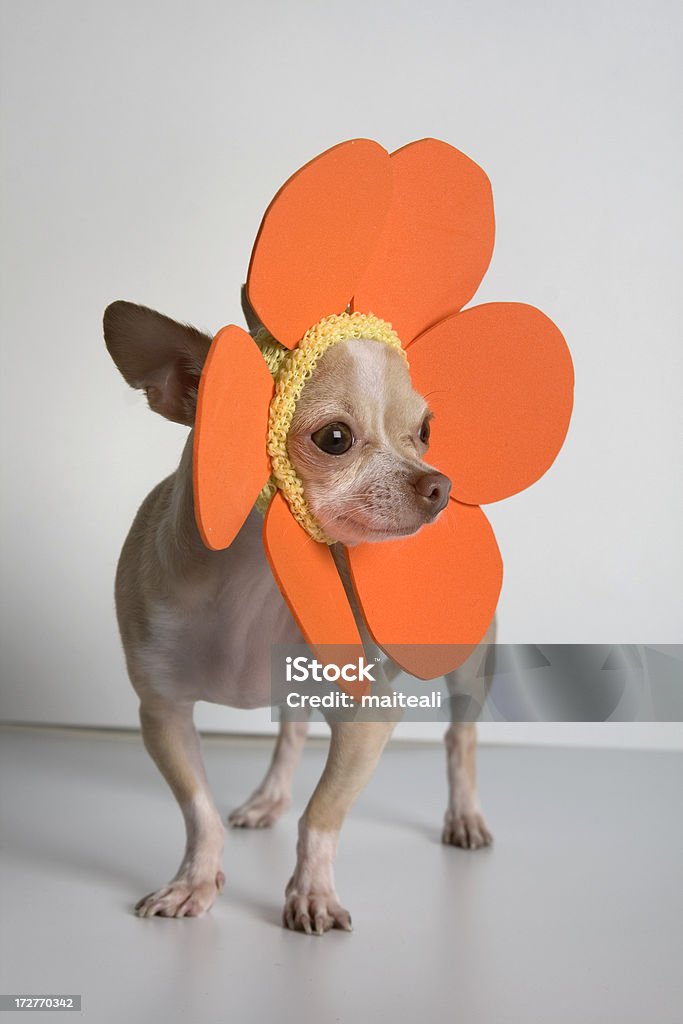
<point>250,314</point>
<point>161,357</point>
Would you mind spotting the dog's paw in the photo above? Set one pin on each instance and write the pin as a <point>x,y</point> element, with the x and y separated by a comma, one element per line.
<point>314,913</point>
<point>181,898</point>
<point>468,831</point>
<point>259,811</point>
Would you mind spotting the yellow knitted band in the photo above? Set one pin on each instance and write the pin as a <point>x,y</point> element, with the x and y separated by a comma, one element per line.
<point>291,370</point>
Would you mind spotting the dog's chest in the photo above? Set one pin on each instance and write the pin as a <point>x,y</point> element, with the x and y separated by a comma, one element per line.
<point>216,644</point>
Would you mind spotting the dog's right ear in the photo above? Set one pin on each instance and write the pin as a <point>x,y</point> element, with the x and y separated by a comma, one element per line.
<point>158,355</point>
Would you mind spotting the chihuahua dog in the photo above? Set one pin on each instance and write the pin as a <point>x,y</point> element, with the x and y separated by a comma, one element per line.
<point>198,624</point>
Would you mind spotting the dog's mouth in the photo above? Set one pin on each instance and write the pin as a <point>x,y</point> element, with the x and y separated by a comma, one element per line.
<point>351,530</point>
<point>366,536</point>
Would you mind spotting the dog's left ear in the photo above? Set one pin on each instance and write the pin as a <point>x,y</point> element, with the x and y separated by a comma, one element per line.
<point>250,314</point>
<point>158,355</point>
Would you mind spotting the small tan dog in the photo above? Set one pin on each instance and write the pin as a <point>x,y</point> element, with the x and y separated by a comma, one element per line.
<point>198,624</point>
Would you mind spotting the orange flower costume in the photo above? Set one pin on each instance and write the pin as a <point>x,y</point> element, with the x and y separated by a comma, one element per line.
<point>403,241</point>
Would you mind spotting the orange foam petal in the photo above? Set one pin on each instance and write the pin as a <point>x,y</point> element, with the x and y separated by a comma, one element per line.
<point>500,380</point>
<point>230,465</point>
<point>317,237</point>
<point>437,240</point>
<point>310,584</point>
<point>429,599</point>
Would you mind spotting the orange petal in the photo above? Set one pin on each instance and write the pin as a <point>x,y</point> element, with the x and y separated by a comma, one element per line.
<point>437,240</point>
<point>317,237</point>
<point>429,599</point>
<point>500,380</point>
<point>307,576</point>
<point>230,465</point>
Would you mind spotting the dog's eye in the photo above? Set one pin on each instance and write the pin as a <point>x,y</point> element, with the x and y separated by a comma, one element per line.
<point>335,438</point>
<point>425,431</point>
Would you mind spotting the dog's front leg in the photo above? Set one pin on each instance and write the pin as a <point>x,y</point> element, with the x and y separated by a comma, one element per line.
<point>311,899</point>
<point>171,738</point>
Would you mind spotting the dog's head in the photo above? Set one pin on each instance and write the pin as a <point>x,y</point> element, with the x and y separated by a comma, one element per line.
<point>358,441</point>
<point>359,436</point>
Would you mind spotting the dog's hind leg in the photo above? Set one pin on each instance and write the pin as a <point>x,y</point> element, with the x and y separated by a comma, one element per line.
<point>273,796</point>
<point>171,738</point>
<point>464,823</point>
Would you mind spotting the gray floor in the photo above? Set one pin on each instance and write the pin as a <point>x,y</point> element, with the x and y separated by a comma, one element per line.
<point>573,915</point>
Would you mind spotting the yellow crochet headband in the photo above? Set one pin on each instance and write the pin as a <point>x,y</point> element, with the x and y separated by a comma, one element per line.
<point>291,369</point>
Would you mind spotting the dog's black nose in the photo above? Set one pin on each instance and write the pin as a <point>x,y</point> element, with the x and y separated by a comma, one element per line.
<point>432,492</point>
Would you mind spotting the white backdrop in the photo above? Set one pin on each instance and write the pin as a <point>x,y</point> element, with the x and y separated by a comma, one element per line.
<point>141,143</point>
